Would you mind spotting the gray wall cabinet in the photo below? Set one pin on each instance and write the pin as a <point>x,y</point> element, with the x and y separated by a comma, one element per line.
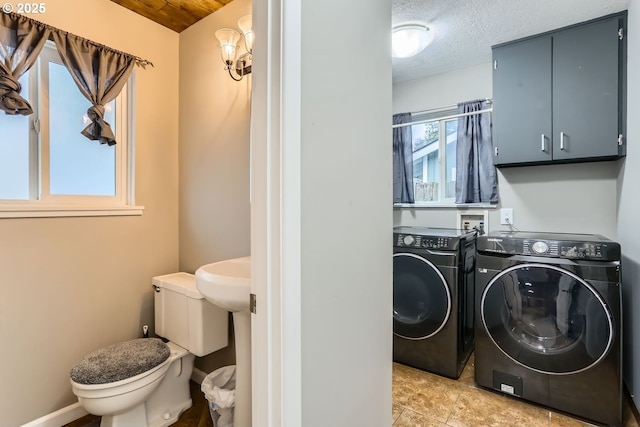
<point>560,97</point>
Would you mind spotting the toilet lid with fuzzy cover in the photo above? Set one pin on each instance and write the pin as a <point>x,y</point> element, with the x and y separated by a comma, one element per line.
<point>120,361</point>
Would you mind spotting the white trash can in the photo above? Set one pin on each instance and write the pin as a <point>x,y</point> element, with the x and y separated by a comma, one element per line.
<point>219,387</point>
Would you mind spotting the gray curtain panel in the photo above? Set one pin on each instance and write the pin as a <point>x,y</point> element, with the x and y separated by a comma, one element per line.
<point>21,41</point>
<point>100,73</point>
<point>476,179</point>
<point>402,160</point>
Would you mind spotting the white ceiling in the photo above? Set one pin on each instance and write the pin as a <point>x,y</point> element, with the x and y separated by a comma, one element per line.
<point>465,30</point>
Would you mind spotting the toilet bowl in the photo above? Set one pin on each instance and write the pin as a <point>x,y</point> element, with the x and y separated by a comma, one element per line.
<point>145,382</point>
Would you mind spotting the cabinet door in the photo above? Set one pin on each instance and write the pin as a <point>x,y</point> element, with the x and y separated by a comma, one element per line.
<point>522,102</point>
<point>585,91</point>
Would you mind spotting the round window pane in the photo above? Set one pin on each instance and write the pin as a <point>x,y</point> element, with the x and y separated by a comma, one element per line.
<point>421,298</point>
<point>547,319</point>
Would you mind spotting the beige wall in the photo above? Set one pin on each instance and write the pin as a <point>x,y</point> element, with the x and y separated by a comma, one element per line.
<point>71,285</point>
<point>214,154</point>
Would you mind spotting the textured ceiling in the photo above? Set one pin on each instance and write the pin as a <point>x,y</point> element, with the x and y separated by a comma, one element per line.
<point>465,30</point>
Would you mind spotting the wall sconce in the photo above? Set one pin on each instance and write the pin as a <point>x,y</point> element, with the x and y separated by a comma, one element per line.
<point>228,39</point>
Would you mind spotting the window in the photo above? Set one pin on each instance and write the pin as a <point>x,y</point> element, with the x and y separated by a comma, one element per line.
<point>47,167</point>
<point>434,156</point>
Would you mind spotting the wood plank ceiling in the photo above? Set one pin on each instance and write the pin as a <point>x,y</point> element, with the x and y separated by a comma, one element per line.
<point>174,14</point>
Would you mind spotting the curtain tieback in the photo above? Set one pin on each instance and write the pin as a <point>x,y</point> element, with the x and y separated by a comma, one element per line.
<point>10,100</point>
<point>98,129</point>
<point>95,112</point>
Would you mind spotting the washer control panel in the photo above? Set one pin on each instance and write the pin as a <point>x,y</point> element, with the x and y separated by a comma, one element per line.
<point>539,247</point>
<point>583,250</point>
<point>572,249</point>
<point>586,250</point>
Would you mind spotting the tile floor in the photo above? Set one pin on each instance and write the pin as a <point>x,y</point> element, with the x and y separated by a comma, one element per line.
<point>422,399</point>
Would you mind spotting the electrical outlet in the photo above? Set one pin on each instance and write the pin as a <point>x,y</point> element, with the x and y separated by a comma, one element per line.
<point>506,216</point>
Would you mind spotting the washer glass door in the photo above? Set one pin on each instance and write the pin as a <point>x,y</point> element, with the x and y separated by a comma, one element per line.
<point>421,297</point>
<point>547,319</point>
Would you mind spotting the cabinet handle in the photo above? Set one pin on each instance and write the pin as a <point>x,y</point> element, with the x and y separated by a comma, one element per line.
<point>543,146</point>
<point>562,140</point>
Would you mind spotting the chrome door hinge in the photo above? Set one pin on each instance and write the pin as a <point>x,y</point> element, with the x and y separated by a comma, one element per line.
<point>495,151</point>
<point>620,139</point>
<point>252,303</point>
<point>620,33</point>
<point>495,64</point>
<point>36,125</point>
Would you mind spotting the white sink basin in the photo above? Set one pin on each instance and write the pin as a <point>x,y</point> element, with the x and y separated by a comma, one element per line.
<point>226,284</point>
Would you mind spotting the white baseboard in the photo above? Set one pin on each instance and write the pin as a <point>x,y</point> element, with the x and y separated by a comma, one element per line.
<point>198,376</point>
<point>59,417</point>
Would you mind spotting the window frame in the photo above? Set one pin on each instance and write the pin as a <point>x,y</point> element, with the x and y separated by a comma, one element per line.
<point>441,117</point>
<point>44,204</point>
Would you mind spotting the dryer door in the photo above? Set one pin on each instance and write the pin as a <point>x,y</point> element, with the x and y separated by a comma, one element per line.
<point>547,319</point>
<point>421,297</point>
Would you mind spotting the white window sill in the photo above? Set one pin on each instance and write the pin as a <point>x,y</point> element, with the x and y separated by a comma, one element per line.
<point>439,205</point>
<point>46,211</point>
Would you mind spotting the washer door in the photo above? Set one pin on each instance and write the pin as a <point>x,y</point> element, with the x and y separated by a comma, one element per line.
<point>421,297</point>
<point>547,319</point>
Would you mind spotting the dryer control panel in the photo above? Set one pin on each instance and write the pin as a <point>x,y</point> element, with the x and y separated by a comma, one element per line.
<point>403,240</point>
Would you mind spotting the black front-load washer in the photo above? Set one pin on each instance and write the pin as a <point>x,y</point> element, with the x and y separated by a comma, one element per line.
<point>433,298</point>
<point>548,321</point>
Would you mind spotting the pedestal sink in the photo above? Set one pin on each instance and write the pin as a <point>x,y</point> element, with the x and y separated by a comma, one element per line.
<point>227,284</point>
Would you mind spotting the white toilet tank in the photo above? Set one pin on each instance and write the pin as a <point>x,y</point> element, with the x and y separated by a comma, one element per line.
<point>184,317</point>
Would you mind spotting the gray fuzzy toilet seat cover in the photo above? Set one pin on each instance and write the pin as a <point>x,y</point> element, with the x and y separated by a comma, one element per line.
<point>120,361</point>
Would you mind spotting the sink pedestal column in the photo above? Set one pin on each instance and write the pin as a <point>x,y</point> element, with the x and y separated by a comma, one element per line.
<point>227,284</point>
<point>242,333</point>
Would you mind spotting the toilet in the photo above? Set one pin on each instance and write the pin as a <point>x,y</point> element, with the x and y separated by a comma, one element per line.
<point>145,382</point>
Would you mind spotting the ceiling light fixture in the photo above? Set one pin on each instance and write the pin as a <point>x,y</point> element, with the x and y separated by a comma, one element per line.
<point>409,40</point>
<point>228,39</point>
